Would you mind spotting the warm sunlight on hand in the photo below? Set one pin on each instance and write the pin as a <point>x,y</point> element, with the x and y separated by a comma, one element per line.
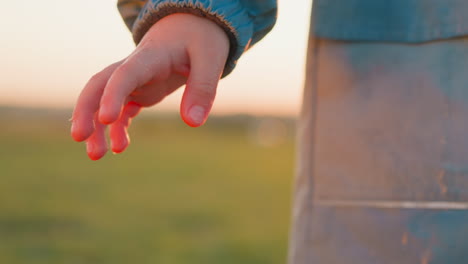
<point>179,49</point>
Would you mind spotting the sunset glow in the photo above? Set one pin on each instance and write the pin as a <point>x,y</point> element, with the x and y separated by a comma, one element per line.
<point>50,48</point>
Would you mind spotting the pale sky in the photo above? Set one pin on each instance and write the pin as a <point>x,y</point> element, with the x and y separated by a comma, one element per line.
<point>50,48</point>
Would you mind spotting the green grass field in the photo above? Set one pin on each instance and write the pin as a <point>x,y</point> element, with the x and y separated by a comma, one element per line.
<point>178,195</point>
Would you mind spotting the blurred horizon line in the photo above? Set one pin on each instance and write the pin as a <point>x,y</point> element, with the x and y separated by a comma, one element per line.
<point>148,111</point>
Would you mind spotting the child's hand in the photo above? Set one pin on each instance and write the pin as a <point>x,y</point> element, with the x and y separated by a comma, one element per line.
<point>179,49</point>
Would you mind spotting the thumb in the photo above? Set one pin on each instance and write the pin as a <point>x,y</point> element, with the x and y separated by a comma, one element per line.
<point>200,92</point>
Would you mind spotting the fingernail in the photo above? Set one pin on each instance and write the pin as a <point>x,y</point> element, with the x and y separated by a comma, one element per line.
<point>197,114</point>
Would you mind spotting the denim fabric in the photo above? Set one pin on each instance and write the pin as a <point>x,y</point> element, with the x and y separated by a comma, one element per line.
<point>244,21</point>
<point>390,20</point>
<point>383,154</point>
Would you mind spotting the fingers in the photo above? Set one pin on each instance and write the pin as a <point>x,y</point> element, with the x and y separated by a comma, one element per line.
<point>146,95</point>
<point>140,68</point>
<point>88,104</point>
<point>118,130</point>
<point>96,145</point>
<point>200,92</point>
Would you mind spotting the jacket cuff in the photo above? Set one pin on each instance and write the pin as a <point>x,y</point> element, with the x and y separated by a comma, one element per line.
<point>228,14</point>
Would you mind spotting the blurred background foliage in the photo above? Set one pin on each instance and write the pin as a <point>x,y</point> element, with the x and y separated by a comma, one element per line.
<point>216,194</point>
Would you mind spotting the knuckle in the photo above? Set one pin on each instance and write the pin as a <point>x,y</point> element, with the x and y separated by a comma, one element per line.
<point>96,78</point>
<point>123,69</point>
<point>205,88</point>
<point>140,63</point>
<point>205,84</point>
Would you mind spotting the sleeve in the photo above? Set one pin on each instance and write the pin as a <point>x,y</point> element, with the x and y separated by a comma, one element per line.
<point>244,21</point>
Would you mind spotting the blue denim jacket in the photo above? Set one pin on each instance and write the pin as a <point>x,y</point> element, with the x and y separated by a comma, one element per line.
<point>247,21</point>
<point>390,20</point>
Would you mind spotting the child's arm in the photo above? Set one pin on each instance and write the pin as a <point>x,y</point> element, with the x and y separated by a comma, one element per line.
<point>175,49</point>
<point>245,21</point>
